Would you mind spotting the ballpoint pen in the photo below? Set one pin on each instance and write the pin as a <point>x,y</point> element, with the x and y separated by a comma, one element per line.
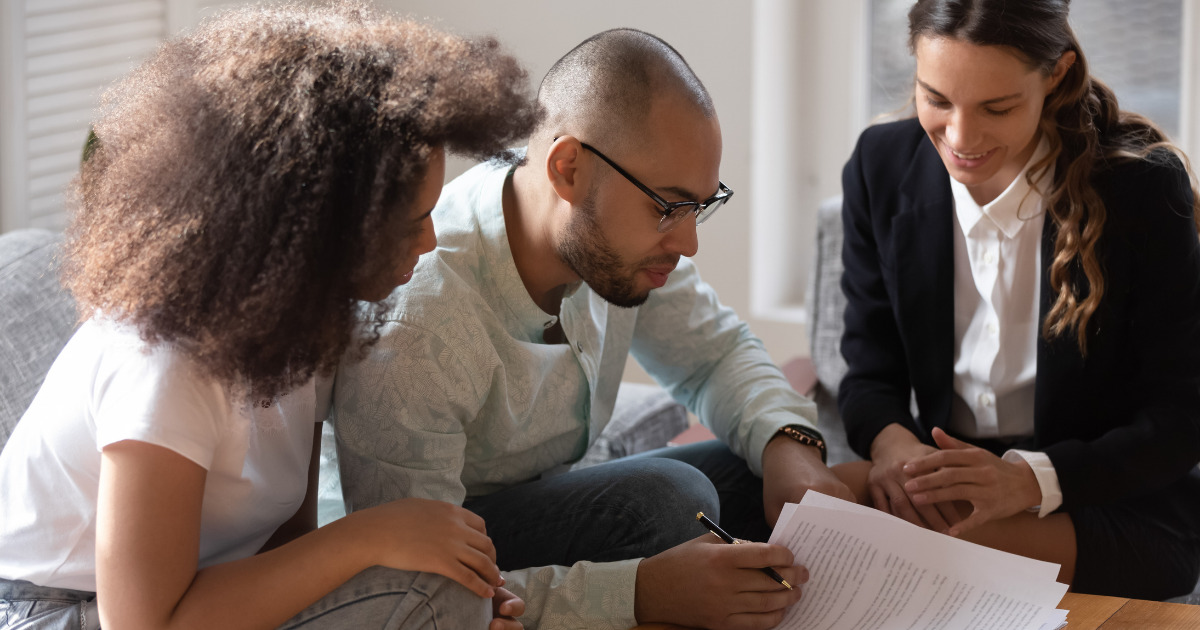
<point>720,533</point>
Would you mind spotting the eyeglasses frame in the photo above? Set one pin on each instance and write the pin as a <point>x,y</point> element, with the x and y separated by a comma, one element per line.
<point>669,208</point>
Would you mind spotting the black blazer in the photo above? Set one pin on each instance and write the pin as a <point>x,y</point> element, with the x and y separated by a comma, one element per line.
<point>1125,420</point>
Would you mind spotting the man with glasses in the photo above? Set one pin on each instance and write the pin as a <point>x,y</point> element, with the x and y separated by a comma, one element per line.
<point>503,355</point>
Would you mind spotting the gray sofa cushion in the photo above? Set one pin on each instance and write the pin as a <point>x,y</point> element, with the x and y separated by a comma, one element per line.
<point>37,317</point>
<point>825,300</point>
<point>826,305</point>
<point>644,418</point>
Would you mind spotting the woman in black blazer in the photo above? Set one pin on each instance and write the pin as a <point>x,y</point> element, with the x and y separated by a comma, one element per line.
<point>1022,260</point>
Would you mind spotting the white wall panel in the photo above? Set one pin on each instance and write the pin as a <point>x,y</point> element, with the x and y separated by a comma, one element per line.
<point>58,57</point>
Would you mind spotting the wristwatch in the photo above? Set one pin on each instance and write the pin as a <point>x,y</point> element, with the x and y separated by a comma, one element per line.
<point>805,436</point>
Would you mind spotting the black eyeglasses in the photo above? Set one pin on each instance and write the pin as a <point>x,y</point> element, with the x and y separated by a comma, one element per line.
<point>673,212</point>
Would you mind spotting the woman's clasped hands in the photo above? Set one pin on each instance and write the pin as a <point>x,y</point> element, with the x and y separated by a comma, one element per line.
<point>970,480</point>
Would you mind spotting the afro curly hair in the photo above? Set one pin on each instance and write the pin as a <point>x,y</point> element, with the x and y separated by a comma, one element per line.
<point>244,176</point>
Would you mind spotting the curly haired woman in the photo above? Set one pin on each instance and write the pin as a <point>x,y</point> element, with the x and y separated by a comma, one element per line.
<point>1023,258</point>
<point>258,189</point>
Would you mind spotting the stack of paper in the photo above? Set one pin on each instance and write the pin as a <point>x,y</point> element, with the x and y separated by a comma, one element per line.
<point>872,571</point>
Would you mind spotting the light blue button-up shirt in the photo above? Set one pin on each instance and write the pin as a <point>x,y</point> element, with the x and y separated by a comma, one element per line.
<point>461,396</point>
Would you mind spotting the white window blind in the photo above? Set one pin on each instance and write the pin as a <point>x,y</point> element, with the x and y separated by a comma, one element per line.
<point>60,55</point>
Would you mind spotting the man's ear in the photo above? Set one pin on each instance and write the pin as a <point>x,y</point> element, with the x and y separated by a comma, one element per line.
<point>563,168</point>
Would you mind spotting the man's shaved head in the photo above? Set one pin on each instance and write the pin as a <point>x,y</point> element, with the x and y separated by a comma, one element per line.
<point>602,90</point>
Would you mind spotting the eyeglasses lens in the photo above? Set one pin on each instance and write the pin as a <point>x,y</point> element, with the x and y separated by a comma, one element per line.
<point>708,212</point>
<point>677,216</point>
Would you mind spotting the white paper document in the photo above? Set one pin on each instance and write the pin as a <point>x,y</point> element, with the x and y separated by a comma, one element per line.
<point>872,571</point>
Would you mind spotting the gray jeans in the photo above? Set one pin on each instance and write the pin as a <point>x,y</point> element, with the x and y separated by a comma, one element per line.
<point>376,598</point>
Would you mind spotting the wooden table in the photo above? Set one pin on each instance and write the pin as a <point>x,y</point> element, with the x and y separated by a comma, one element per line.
<point>1094,612</point>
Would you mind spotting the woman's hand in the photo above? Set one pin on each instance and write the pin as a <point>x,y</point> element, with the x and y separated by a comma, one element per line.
<point>892,450</point>
<point>506,607</point>
<point>961,472</point>
<point>432,536</point>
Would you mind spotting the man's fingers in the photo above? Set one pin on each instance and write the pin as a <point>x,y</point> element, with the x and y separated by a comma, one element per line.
<point>757,581</point>
<point>754,621</point>
<point>512,608</point>
<point>507,604</point>
<point>758,555</point>
<point>766,601</point>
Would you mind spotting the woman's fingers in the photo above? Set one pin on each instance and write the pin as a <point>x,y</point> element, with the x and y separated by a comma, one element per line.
<point>481,564</point>
<point>470,578</point>
<point>481,543</point>
<point>949,512</point>
<point>880,500</point>
<point>931,515</point>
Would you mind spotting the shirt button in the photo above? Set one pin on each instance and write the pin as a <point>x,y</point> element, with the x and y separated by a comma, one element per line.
<point>993,329</point>
<point>985,400</point>
<point>990,258</point>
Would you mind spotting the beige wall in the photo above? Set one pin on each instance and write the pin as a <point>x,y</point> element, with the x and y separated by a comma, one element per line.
<point>716,39</point>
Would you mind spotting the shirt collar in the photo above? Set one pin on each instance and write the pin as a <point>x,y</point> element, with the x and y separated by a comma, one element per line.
<point>1014,207</point>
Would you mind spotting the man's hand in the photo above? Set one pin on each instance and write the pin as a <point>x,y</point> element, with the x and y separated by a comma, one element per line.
<point>962,472</point>
<point>706,583</point>
<point>789,470</point>
<point>506,607</point>
<point>894,447</point>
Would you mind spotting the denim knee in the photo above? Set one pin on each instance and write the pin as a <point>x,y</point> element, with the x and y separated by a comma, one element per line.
<point>669,493</point>
<point>397,600</point>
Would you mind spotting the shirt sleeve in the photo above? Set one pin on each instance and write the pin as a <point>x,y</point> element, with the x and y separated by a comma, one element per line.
<point>1047,478</point>
<point>708,359</point>
<point>399,418</point>
<point>597,595</point>
<point>154,395</point>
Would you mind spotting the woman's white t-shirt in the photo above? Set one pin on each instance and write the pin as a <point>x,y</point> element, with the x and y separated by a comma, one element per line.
<point>106,386</point>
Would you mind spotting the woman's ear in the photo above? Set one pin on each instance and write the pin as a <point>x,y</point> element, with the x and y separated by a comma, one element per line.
<point>1060,69</point>
<point>563,167</point>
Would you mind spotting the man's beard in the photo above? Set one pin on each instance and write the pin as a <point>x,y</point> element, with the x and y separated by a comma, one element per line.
<point>585,250</point>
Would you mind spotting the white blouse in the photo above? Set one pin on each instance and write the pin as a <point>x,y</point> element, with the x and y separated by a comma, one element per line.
<point>997,282</point>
